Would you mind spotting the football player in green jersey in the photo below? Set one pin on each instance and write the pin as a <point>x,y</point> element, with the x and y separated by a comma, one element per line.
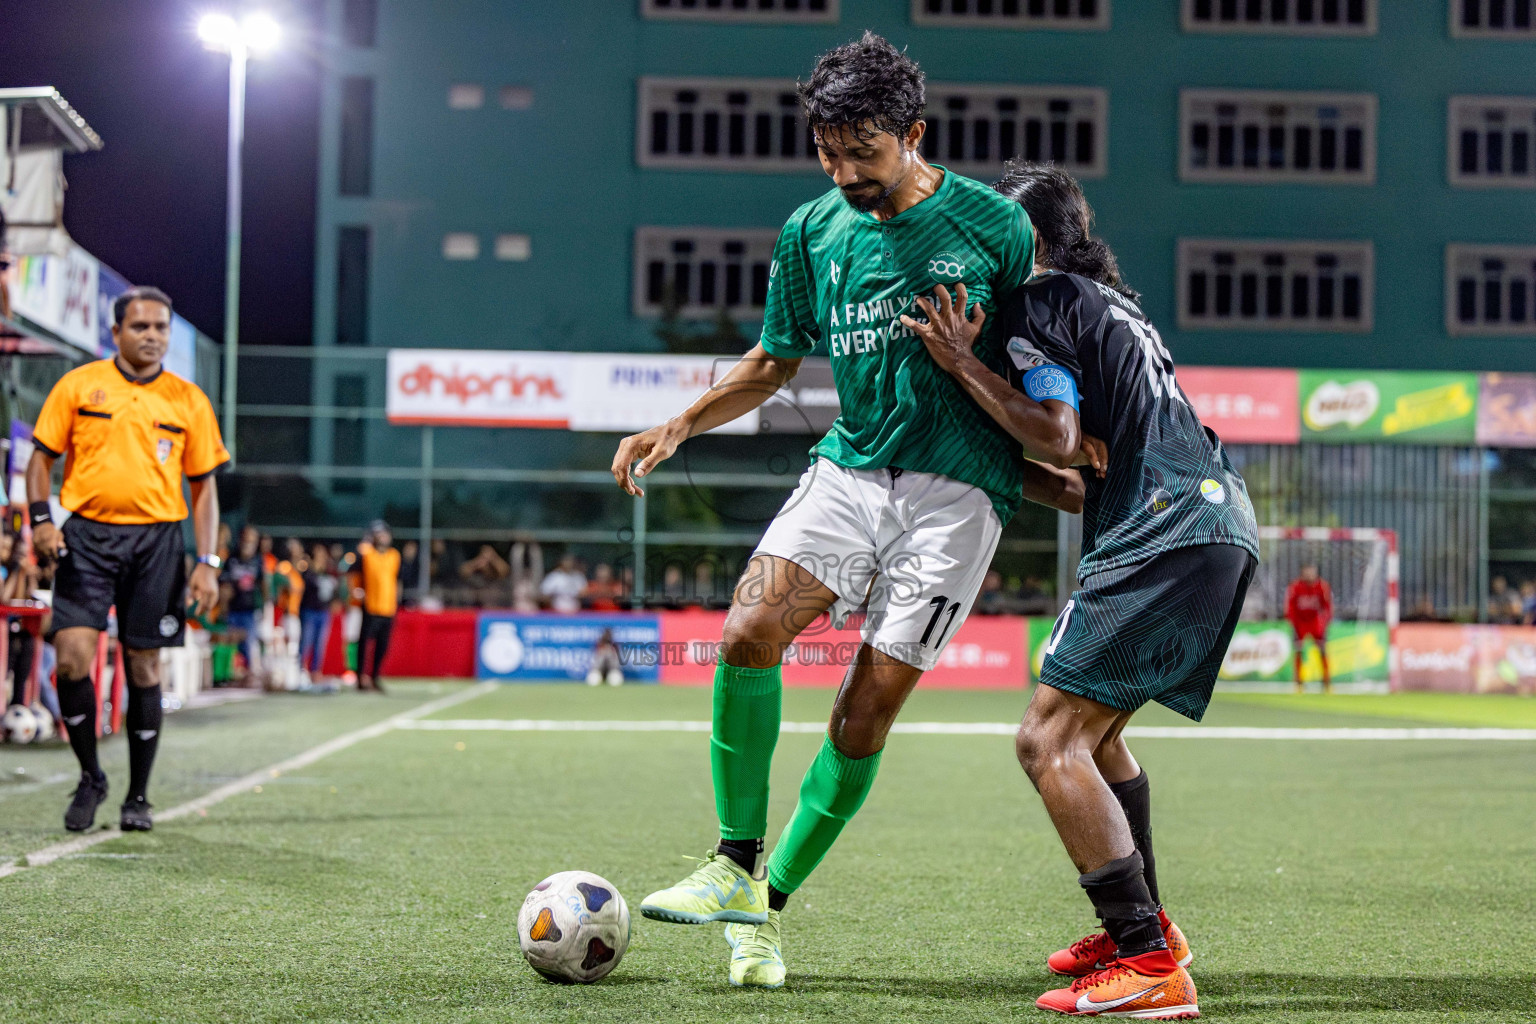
<point>901,508</point>
<point>1169,548</point>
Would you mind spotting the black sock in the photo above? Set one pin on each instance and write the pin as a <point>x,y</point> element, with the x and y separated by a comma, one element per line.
<point>1120,897</point>
<point>143,720</point>
<point>1135,799</point>
<point>77,703</point>
<point>744,852</point>
<point>776,899</point>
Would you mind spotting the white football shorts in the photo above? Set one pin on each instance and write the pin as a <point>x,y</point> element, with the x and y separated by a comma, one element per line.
<point>912,548</point>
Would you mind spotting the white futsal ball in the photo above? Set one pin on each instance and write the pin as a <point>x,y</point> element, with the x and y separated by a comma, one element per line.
<point>46,730</point>
<point>19,724</point>
<point>574,927</point>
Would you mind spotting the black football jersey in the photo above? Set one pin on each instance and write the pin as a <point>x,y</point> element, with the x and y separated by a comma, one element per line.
<point>1169,482</point>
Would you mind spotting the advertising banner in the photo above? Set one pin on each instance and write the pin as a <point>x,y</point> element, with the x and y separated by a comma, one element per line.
<point>538,648</point>
<point>987,653</point>
<point>1506,410</point>
<point>1348,406</point>
<point>629,392</point>
<point>485,389</point>
<point>59,294</point>
<point>1245,406</point>
<point>109,285</point>
<point>18,453</point>
<point>181,354</point>
<point>1453,658</point>
<point>1261,652</point>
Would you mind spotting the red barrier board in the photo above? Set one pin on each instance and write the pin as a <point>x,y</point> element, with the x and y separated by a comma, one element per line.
<point>1247,406</point>
<point>433,645</point>
<point>987,653</point>
<point>1453,658</point>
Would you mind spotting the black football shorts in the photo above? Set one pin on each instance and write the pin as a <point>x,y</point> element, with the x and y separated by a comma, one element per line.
<point>140,568</point>
<point>1157,630</point>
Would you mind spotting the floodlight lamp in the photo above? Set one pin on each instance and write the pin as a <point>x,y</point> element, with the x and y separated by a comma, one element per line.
<point>261,32</point>
<point>218,32</point>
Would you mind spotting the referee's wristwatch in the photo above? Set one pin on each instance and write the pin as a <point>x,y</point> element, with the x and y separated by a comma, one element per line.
<point>213,562</point>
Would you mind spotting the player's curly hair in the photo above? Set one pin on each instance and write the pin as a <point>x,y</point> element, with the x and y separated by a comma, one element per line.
<point>866,86</point>
<point>1063,219</point>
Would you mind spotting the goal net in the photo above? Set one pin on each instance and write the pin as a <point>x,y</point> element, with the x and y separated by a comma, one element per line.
<point>1361,567</point>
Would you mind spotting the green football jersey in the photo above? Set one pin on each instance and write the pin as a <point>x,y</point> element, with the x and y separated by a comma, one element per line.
<point>844,278</point>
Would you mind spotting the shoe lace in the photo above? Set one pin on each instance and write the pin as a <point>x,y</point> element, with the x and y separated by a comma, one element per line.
<point>1109,973</point>
<point>1092,946</point>
<point>708,870</point>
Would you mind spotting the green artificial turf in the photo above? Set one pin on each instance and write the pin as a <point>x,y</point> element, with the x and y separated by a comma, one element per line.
<point>1317,880</point>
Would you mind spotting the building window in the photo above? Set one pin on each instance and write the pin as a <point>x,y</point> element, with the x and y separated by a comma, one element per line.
<point>975,128</point>
<point>356,171</point>
<point>359,22</point>
<point>515,97</point>
<point>1088,14</point>
<point>461,245</point>
<point>1251,284</point>
<point>1491,19</point>
<point>1240,135</point>
<point>1490,289</point>
<point>723,124</point>
<point>1490,140</point>
<point>700,271</point>
<point>773,11</point>
<point>466,96</point>
<point>352,244</point>
<point>348,436</point>
<point>514,248</point>
<point>1282,17</point>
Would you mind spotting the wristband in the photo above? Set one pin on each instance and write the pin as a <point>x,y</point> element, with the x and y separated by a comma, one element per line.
<point>41,512</point>
<point>211,561</point>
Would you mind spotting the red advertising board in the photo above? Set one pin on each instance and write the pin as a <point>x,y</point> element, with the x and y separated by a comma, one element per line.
<point>986,654</point>
<point>1245,406</point>
<point>1454,658</point>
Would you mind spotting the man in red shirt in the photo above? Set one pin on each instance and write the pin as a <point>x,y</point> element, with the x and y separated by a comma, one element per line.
<point>1309,607</point>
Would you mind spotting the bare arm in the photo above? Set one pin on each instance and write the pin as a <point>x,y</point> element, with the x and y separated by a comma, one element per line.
<point>45,536</point>
<point>1057,488</point>
<point>1049,431</point>
<point>203,588</point>
<point>747,385</point>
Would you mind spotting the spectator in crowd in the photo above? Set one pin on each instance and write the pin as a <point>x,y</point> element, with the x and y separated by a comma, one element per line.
<point>674,592</point>
<point>1035,598</point>
<point>1528,603</point>
<point>993,599</point>
<point>5,268</point>
<point>484,575</point>
<point>1424,610</point>
<point>604,593</point>
<point>443,569</point>
<point>320,586</point>
<point>564,586</point>
<point>380,564</point>
<point>527,565</point>
<point>244,581</point>
<point>607,666</point>
<point>1505,608</point>
<point>410,573</point>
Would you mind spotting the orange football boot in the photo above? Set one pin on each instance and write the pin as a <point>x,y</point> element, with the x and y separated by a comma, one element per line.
<point>1097,951</point>
<point>1149,987</point>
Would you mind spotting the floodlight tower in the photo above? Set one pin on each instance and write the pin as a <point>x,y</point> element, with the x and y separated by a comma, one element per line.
<point>256,34</point>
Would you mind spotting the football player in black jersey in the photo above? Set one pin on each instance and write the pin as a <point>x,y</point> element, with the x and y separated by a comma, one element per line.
<point>1169,548</point>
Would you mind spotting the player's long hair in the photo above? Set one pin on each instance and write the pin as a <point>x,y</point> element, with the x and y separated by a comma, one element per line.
<point>1063,219</point>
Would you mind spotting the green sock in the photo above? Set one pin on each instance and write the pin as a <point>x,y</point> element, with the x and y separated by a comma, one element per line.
<point>748,705</point>
<point>833,791</point>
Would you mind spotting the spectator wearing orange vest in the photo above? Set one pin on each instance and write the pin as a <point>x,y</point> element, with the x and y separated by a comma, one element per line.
<point>379,563</point>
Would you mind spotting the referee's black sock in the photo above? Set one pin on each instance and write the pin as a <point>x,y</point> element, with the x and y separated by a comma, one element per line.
<point>1119,894</point>
<point>143,719</point>
<point>1135,799</point>
<point>77,703</point>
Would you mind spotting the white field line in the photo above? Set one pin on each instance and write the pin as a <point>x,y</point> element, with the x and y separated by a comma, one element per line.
<point>49,854</point>
<point>1176,732</point>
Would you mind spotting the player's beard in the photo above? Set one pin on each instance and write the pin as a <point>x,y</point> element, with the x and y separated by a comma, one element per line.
<point>868,199</point>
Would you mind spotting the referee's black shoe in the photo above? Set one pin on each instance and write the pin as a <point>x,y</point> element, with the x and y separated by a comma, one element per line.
<point>88,796</point>
<point>136,815</point>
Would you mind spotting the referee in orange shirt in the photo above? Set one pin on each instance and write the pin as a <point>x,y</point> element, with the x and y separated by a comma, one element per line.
<point>130,432</point>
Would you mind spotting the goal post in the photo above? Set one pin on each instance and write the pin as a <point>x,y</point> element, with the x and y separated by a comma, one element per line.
<point>1361,566</point>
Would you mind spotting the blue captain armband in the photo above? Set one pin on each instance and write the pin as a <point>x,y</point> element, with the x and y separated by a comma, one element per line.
<point>1051,382</point>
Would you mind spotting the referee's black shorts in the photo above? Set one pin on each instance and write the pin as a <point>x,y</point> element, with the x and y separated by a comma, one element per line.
<point>139,567</point>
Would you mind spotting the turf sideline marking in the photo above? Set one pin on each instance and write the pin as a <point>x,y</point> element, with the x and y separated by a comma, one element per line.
<point>1175,732</point>
<point>49,854</point>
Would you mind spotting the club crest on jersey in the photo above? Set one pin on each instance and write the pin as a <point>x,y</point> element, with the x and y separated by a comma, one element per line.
<point>163,449</point>
<point>98,397</point>
<point>946,267</point>
<point>1213,491</point>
